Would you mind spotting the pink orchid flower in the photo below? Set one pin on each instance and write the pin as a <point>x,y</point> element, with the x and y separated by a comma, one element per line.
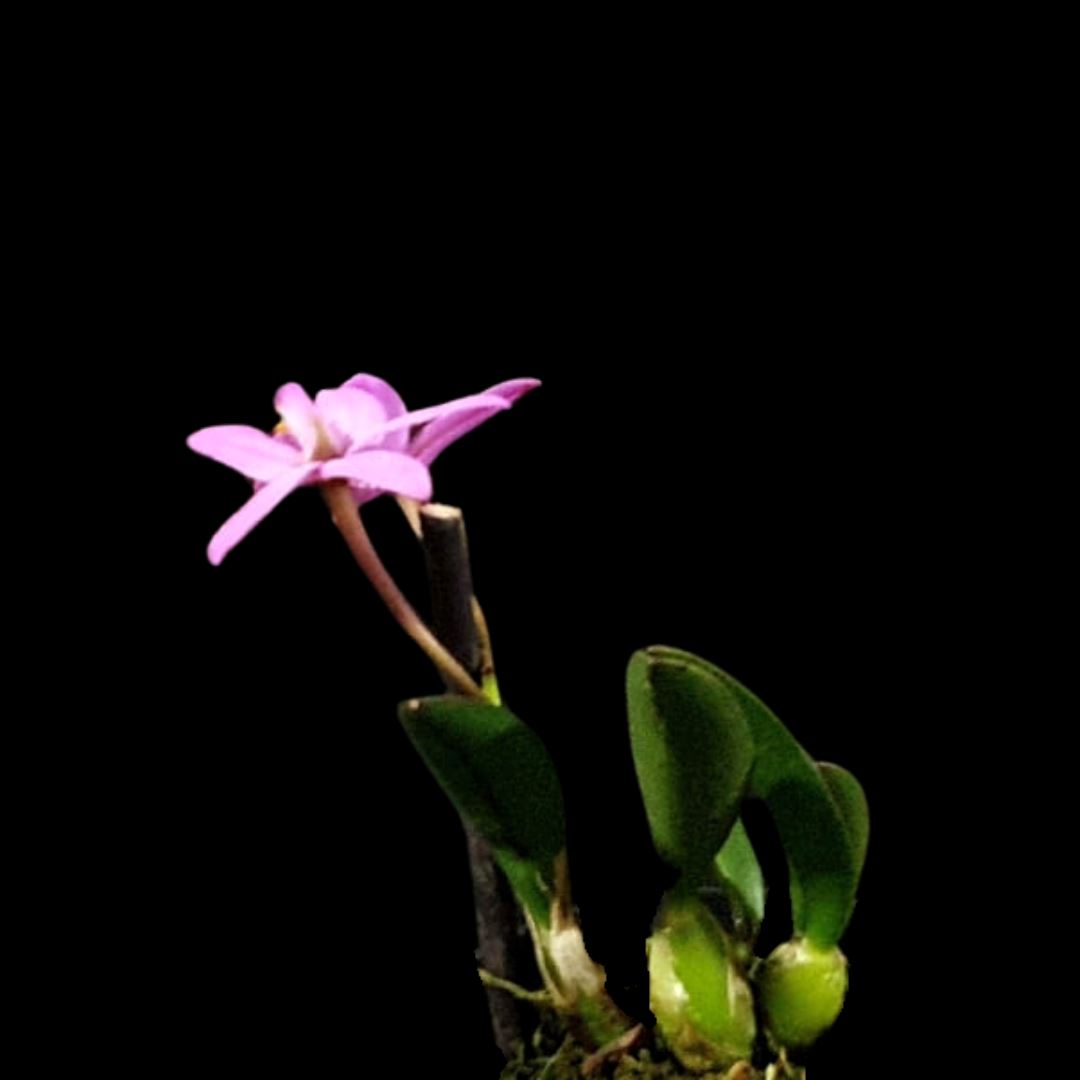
<point>360,433</point>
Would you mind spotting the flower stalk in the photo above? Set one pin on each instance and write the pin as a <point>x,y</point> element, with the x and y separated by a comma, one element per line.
<point>346,517</point>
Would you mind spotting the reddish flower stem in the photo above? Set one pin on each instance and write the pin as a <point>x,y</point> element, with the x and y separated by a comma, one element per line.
<point>346,517</point>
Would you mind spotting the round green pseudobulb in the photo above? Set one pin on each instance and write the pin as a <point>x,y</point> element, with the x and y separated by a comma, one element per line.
<point>701,1002</point>
<point>802,991</point>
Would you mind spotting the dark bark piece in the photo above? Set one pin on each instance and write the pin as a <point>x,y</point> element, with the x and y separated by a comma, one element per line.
<point>499,949</point>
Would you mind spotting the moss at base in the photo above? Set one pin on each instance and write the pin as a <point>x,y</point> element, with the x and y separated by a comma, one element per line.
<point>565,1064</point>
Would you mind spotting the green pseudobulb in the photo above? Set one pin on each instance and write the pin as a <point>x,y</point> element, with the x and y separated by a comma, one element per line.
<point>701,1001</point>
<point>802,991</point>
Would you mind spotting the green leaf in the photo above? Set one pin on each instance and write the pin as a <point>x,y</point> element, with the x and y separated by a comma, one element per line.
<point>500,778</point>
<point>693,754</point>
<point>740,871</point>
<point>850,799</point>
<point>824,868</point>
<point>533,887</point>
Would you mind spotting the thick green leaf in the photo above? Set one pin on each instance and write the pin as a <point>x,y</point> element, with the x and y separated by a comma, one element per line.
<point>500,778</point>
<point>693,754</point>
<point>850,799</point>
<point>822,860</point>
<point>740,872</point>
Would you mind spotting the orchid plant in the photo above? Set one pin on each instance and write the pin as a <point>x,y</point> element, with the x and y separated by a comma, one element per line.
<point>703,747</point>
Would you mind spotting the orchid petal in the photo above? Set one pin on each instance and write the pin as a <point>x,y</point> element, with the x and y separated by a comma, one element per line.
<point>350,415</point>
<point>246,449</point>
<point>390,399</point>
<point>382,470</point>
<point>255,509</point>
<point>300,416</point>
<point>378,388</point>
<point>286,439</point>
<point>513,389</point>
<point>435,438</point>
<point>438,412</point>
<point>439,434</point>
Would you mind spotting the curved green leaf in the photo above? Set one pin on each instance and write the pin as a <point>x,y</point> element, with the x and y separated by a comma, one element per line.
<point>500,778</point>
<point>850,799</point>
<point>822,860</point>
<point>692,752</point>
<point>740,872</point>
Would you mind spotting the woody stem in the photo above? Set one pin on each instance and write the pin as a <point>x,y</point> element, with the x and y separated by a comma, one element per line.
<point>454,616</point>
